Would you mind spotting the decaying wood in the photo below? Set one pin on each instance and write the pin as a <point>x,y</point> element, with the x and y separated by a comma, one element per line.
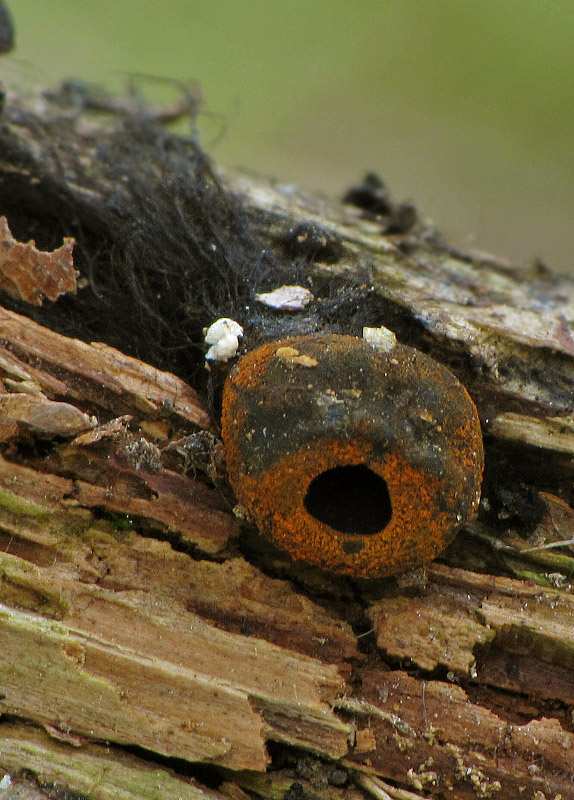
<point>131,617</point>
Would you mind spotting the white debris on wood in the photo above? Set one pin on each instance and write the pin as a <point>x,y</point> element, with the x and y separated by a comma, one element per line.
<point>286,298</point>
<point>223,336</point>
<point>382,339</point>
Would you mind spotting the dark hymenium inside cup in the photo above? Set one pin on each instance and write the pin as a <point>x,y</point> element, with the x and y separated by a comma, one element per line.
<point>351,499</point>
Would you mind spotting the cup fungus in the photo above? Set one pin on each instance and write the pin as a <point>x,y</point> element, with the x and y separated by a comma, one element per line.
<point>357,457</point>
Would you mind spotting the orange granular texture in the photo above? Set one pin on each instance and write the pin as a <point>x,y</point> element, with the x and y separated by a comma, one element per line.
<point>427,508</point>
<point>416,533</point>
<point>248,373</point>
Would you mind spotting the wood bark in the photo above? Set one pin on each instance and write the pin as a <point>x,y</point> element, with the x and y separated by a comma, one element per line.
<point>149,649</point>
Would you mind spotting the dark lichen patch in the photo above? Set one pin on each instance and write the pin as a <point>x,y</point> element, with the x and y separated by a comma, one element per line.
<point>311,242</point>
<point>370,195</point>
<point>373,197</point>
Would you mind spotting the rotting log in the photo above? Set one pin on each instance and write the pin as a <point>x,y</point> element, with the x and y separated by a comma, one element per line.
<point>152,645</point>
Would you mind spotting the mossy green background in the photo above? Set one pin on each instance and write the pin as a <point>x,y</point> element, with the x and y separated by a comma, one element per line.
<point>464,107</point>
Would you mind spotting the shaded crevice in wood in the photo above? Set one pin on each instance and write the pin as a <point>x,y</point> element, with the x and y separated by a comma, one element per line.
<point>95,374</point>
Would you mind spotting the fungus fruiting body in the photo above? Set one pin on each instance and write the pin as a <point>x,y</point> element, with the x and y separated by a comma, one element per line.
<point>358,458</point>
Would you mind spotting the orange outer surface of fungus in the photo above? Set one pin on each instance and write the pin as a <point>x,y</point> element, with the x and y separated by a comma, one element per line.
<point>297,408</point>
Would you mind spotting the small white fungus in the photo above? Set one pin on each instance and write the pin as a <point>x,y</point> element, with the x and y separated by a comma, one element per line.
<point>223,336</point>
<point>220,328</point>
<point>286,298</point>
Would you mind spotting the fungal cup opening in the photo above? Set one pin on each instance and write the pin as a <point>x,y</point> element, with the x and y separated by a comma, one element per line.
<point>351,499</point>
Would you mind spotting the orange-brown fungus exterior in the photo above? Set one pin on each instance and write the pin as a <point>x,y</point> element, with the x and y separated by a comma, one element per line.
<point>357,460</point>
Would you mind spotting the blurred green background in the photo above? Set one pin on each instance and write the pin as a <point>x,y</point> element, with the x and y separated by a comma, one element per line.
<point>466,108</point>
